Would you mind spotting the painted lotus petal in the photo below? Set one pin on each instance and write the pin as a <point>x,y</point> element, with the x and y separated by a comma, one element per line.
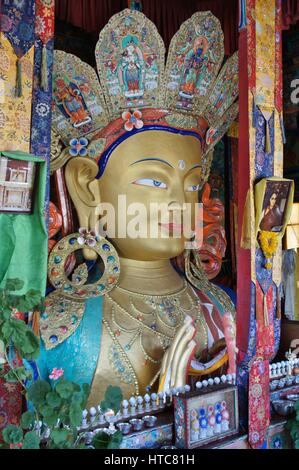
<point>83,141</point>
<point>137,114</point>
<point>83,231</point>
<point>129,126</point>
<point>73,152</point>
<point>83,152</point>
<point>138,124</point>
<point>74,142</point>
<point>90,242</point>
<point>126,115</point>
<point>92,233</point>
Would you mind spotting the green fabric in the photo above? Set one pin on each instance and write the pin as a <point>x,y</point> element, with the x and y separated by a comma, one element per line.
<point>24,237</point>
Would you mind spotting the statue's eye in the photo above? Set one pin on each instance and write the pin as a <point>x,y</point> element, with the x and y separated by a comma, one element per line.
<point>193,187</point>
<point>151,182</point>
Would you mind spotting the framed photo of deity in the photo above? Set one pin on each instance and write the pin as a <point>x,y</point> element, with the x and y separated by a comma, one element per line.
<point>17,181</point>
<point>273,200</point>
<point>205,417</point>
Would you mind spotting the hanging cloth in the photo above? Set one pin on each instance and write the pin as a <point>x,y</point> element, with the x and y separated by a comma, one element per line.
<point>17,23</point>
<point>44,29</point>
<point>23,237</point>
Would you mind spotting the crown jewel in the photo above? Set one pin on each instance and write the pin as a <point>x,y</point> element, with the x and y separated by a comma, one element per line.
<point>136,90</point>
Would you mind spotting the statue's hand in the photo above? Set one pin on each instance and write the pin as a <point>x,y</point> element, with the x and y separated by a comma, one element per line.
<point>177,358</point>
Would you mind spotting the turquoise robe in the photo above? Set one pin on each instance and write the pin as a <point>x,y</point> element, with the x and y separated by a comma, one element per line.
<point>78,354</point>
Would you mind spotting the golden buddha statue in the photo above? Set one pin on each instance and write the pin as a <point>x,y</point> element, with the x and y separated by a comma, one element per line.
<point>145,323</point>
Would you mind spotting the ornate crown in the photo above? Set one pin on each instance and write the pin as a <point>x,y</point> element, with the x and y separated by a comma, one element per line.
<point>136,91</point>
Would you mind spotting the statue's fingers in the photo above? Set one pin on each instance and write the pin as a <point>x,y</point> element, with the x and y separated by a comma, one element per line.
<point>184,364</point>
<point>179,335</point>
<point>181,347</point>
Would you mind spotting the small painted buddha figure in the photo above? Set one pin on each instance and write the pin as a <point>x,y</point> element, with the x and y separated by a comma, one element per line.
<point>139,321</point>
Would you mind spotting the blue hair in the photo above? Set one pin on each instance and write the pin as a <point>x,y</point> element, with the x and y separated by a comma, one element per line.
<point>103,160</point>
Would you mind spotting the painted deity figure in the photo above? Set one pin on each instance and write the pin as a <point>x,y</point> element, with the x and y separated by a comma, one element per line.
<point>130,69</point>
<point>69,99</point>
<point>146,320</point>
<point>194,62</point>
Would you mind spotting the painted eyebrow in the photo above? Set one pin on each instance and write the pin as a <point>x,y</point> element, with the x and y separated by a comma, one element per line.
<point>152,159</point>
<point>195,166</point>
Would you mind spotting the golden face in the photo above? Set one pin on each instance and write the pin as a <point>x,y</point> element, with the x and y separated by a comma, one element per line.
<point>153,167</point>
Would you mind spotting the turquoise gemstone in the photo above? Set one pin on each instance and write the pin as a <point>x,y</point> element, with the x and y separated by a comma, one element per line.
<point>74,319</point>
<point>101,287</point>
<point>127,347</point>
<point>44,316</point>
<point>57,259</point>
<point>67,288</point>
<point>110,259</point>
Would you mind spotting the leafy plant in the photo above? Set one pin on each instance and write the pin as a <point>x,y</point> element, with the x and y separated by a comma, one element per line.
<point>293,426</point>
<point>57,408</point>
<point>15,331</point>
<point>103,440</point>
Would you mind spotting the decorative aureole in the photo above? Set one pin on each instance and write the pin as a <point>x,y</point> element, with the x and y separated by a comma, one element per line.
<point>273,199</point>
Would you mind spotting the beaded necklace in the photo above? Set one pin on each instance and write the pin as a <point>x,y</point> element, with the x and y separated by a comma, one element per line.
<point>159,303</point>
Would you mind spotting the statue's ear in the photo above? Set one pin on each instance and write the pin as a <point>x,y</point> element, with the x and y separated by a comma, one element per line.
<point>84,190</point>
<point>80,176</point>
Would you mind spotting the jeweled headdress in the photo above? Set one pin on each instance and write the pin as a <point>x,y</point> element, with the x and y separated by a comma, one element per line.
<point>136,91</point>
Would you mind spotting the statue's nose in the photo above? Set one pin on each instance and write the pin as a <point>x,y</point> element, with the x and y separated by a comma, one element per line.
<point>176,206</point>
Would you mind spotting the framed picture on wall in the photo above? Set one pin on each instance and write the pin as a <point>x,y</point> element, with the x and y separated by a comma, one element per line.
<point>201,419</point>
<point>274,205</point>
<point>17,180</point>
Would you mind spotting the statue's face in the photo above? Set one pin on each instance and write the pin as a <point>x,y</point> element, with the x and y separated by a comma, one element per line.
<point>153,167</point>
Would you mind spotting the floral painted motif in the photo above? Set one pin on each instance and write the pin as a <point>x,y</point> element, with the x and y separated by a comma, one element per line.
<point>87,237</point>
<point>150,439</point>
<point>78,147</point>
<point>132,120</point>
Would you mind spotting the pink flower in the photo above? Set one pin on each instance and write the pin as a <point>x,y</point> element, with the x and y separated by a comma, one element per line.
<point>16,446</point>
<point>132,120</point>
<point>56,373</point>
<point>86,237</point>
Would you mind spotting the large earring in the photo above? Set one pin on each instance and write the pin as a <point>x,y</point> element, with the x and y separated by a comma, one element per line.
<point>76,288</point>
<point>64,308</point>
